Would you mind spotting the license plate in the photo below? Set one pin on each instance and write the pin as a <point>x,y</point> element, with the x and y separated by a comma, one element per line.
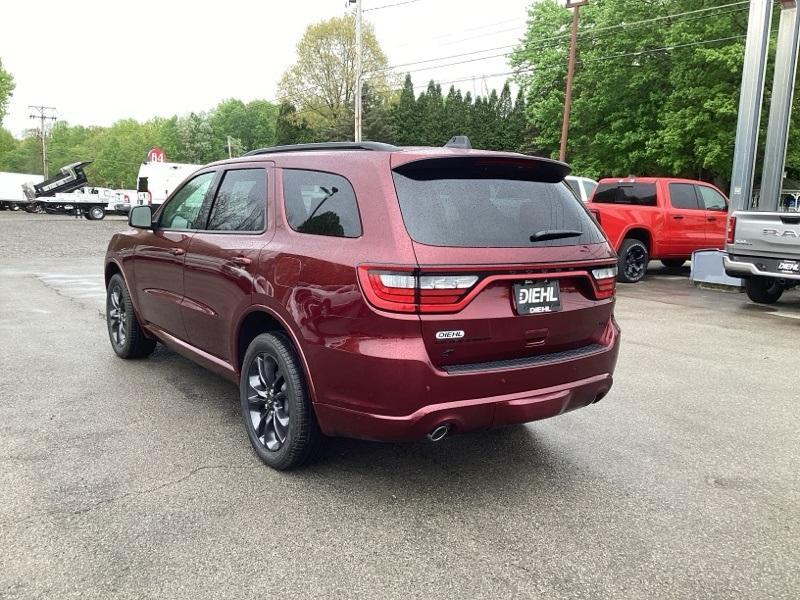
<point>540,297</point>
<point>789,266</point>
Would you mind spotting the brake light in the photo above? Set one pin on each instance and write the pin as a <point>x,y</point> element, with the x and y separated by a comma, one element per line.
<point>605,281</point>
<point>403,289</point>
<point>596,214</point>
<point>731,229</point>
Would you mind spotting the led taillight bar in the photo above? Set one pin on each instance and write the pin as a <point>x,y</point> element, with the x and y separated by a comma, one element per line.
<point>403,289</point>
<point>605,281</point>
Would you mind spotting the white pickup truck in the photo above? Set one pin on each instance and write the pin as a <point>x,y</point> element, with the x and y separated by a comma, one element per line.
<point>763,248</point>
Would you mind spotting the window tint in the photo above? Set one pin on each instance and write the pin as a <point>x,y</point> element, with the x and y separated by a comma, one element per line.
<point>484,209</point>
<point>682,195</point>
<point>320,203</point>
<point>183,209</point>
<point>241,202</point>
<point>711,199</point>
<point>640,194</point>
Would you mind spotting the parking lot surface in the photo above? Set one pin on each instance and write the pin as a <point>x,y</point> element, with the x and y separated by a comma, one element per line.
<point>135,479</point>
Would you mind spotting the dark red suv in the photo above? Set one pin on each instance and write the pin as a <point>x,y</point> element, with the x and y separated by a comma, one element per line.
<point>372,291</point>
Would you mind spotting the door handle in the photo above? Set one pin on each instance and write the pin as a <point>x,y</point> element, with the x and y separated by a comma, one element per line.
<point>178,251</point>
<point>677,217</point>
<point>712,218</point>
<point>241,260</point>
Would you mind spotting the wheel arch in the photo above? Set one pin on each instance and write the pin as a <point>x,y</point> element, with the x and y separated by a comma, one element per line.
<point>637,232</point>
<point>260,319</point>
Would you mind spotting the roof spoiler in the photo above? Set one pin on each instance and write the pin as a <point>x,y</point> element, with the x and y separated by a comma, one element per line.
<point>486,166</point>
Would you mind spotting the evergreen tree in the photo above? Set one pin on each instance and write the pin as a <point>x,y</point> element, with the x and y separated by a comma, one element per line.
<point>404,118</point>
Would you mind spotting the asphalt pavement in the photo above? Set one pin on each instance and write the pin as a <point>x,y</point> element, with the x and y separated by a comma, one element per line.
<point>135,479</point>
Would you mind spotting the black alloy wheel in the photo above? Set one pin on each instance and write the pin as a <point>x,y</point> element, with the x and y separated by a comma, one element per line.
<point>267,402</point>
<point>633,260</point>
<point>276,407</point>
<point>128,339</point>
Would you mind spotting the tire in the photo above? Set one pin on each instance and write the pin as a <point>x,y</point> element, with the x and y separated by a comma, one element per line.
<point>673,263</point>
<point>275,403</point>
<point>127,337</point>
<point>763,290</point>
<point>96,213</point>
<point>633,259</point>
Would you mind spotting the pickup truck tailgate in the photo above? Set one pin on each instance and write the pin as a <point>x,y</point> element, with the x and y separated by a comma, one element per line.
<point>769,234</point>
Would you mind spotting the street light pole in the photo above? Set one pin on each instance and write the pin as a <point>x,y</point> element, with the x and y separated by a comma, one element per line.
<point>357,133</point>
<point>230,153</point>
<point>573,42</point>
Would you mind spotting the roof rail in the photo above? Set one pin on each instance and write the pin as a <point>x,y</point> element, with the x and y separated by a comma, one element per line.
<point>376,146</point>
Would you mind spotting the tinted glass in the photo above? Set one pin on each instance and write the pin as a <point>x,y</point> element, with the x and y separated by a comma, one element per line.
<point>320,203</point>
<point>640,194</point>
<point>467,211</point>
<point>682,195</point>
<point>241,202</point>
<point>183,209</point>
<point>711,199</point>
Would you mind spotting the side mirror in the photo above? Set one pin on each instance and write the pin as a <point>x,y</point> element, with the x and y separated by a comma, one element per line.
<point>141,217</point>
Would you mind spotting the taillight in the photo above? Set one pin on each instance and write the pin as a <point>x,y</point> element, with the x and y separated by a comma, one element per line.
<point>731,229</point>
<point>403,289</point>
<point>595,214</point>
<point>605,281</point>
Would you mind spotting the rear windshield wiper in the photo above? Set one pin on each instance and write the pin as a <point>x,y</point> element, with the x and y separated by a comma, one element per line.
<point>555,234</point>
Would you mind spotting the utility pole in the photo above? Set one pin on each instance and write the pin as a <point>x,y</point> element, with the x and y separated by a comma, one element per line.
<point>573,42</point>
<point>230,152</point>
<point>357,135</point>
<point>43,114</point>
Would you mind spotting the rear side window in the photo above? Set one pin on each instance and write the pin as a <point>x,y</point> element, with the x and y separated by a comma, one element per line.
<point>588,187</point>
<point>241,201</point>
<point>638,194</point>
<point>320,203</point>
<point>682,195</point>
<point>490,208</point>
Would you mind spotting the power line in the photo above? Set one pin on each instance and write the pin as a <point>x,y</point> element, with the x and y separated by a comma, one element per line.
<point>389,5</point>
<point>586,31</point>
<point>591,60</point>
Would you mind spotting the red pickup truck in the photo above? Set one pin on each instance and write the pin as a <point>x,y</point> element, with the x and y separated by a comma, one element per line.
<point>661,218</point>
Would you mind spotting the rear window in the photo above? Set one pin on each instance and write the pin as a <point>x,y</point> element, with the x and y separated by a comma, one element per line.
<point>639,194</point>
<point>490,207</point>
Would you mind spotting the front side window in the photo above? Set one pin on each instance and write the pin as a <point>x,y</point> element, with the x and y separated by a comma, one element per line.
<point>639,194</point>
<point>320,203</point>
<point>682,195</point>
<point>241,201</point>
<point>182,212</point>
<point>711,199</point>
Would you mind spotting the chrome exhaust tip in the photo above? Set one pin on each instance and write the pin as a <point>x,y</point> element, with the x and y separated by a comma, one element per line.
<point>439,432</point>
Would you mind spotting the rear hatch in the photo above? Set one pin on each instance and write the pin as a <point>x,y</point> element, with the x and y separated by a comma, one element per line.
<point>510,264</point>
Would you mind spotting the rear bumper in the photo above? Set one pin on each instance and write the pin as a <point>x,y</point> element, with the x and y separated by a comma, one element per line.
<point>372,406</point>
<point>465,415</point>
<point>749,266</point>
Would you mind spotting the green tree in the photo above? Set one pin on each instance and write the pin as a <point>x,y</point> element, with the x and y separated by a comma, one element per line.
<point>321,84</point>
<point>6,90</point>
<point>289,129</point>
<point>404,116</point>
